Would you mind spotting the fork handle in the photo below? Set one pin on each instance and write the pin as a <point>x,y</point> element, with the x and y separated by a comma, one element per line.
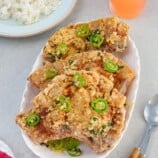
<point>136,153</point>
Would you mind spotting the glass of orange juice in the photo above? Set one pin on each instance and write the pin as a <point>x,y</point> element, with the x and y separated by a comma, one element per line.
<point>127,8</point>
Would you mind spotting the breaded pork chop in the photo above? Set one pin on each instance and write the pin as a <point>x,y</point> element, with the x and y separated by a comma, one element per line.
<point>107,34</point>
<point>79,104</point>
<point>92,60</point>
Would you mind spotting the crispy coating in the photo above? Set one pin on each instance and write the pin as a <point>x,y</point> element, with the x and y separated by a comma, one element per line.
<point>92,60</point>
<point>114,32</point>
<point>99,131</point>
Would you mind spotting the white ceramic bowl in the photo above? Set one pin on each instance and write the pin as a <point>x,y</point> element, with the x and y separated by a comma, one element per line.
<point>131,56</point>
<point>10,28</point>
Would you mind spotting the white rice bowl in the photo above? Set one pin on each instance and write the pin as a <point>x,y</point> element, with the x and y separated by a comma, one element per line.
<point>27,11</point>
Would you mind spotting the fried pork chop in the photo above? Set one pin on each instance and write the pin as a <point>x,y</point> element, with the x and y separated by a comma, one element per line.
<point>92,60</point>
<point>79,104</point>
<point>110,34</point>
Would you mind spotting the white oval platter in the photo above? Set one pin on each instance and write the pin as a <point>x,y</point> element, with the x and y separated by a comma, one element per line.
<point>131,56</point>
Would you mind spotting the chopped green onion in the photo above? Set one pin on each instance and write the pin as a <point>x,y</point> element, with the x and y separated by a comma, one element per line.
<point>87,68</point>
<point>92,131</point>
<point>62,49</point>
<point>100,54</point>
<point>52,57</point>
<point>71,62</point>
<point>95,118</point>
<point>51,72</point>
<point>74,152</point>
<point>59,56</point>
<point>96,31</point>
<point>96,40</point>
<point>99,105</point>
<point>64,103</point>
<point>83,31</point>
<point>32,120</point>
<point>110,124</point>
<point>103,126</point>
<point>120,67</point>
<point>110,66</point>
<point>78,80</point>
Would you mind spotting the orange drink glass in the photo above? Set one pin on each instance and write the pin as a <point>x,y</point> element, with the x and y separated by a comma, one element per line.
<point>127,8</point>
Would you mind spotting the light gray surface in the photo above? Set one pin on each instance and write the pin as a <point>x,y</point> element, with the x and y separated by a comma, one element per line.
<point>18,55</point>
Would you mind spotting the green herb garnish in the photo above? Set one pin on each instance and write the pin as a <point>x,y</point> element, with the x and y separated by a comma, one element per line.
<point>67,144</point>
<point>64,103</point>
<point>110,66</point>
<point>83,31</point>
<point>51,72</point>
<point>32,120</point>
<point>100,105</point>
<point>96,40</point>
<point>62,50</point>
<point>78,80</point>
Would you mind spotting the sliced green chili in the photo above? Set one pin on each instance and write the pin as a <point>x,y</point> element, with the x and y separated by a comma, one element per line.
<point>87,68</point>
<point>120,67</point>
<point>71,62</point>
<point>78,80</point>
<point>96,39</point>
<point>99,105</point>
<point>83,31</point>
<point>32,120</point>
<point>51,72</point>
<point>74,152</point>
<point>71,143</point>
<point>51,57</point>
<point>66,144</point>
<point>62,49</point>
<point>56,145</point>
<point>64,103</point>
<point>110,66</point>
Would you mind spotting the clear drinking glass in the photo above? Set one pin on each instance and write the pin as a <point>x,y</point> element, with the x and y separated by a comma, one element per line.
<point>127,8</point>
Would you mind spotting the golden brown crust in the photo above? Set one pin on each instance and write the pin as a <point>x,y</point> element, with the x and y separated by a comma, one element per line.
<point>77,120</point>
<point>114,32</point>
<point>92,60</point>
<point>39,134</point>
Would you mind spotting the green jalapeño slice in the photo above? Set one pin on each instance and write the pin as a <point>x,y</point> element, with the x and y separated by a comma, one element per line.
<point>100,105</point>
<point>64,103</point>
<point>67,144</point>
<point>51,72</point>
<point>83,31</point>
<point>78,80</point>
<point>56,145</point>
<point>62,49</point>
<point>110,66</point>
<point>32,120</point>
<point>96,40</point>
<point>74,152</point>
